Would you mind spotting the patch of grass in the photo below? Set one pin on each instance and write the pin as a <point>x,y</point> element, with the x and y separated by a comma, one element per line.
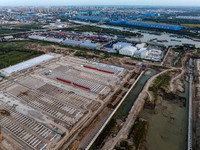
<point>106,132</point>
<point>28,26</point>
<point>138,132</point>
<point>123,146</point>
<point>178,59</point>
<point>14,52</point>
<point>85,54</point>
<point>191,25</point>
<point>10,28</point>
<point>198,50</point>
<point>7,31</point>
<point>161,81</point>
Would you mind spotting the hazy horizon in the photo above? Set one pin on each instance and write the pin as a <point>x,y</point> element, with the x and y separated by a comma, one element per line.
<point>185,3</point>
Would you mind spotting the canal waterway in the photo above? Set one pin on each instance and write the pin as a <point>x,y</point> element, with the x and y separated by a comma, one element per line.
<point>130,99</point>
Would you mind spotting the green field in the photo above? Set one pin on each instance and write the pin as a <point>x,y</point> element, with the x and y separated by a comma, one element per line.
<point>10,28</point>
<point>7,31</point>
<point>138,132</point>
<point>22,26</point>
<point>14,52</point>
<point>191,25</point>
<point>28,26</point>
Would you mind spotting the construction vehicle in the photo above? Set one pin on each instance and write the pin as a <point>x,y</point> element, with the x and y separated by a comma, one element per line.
<point>4,113</point>
<point>23,93</point>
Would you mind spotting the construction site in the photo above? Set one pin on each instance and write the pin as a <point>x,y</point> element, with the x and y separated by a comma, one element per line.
<point>46,101</point>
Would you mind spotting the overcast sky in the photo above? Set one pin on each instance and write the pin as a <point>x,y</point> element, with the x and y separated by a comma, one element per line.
<point>99,2</point>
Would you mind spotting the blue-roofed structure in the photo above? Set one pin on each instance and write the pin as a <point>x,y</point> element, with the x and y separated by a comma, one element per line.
<point>23,17</point>
<point>84,13</point>
<point>95,12</point>
<point>91,18</point>
<point>149,14</point>
<point>148,25</point>
<point>123,44</point>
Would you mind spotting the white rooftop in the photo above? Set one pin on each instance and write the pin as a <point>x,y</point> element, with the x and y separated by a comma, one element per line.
<point>27,64</point>
<point>108,66</point>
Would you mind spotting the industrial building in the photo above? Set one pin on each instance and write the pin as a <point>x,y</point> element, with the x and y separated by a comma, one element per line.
<point>120,45</point>
<point>139,51</point>
<point>142,53</point>
<point>89,45</point>
<point>76,39</point>
<point>128,50</point>
<point>139,46</point>
<point>56,40</point>
<point>43,38</point>
<point>8,37</point>
<point>71,42</point>
<point>91,18</point>
<point>155,54</point>
<point>37,37</point>
<point>189,17</point>
<point>149,25</point>
<point>27,64</point>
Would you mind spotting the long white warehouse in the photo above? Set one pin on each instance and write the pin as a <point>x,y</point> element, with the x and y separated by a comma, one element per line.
<point>27,64</point>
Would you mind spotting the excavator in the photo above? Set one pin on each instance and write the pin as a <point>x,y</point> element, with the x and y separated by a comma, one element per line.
<point>23,93</point>
<point>4,113</point>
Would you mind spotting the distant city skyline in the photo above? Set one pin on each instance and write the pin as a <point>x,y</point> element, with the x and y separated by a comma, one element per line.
<point>99,2</point>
